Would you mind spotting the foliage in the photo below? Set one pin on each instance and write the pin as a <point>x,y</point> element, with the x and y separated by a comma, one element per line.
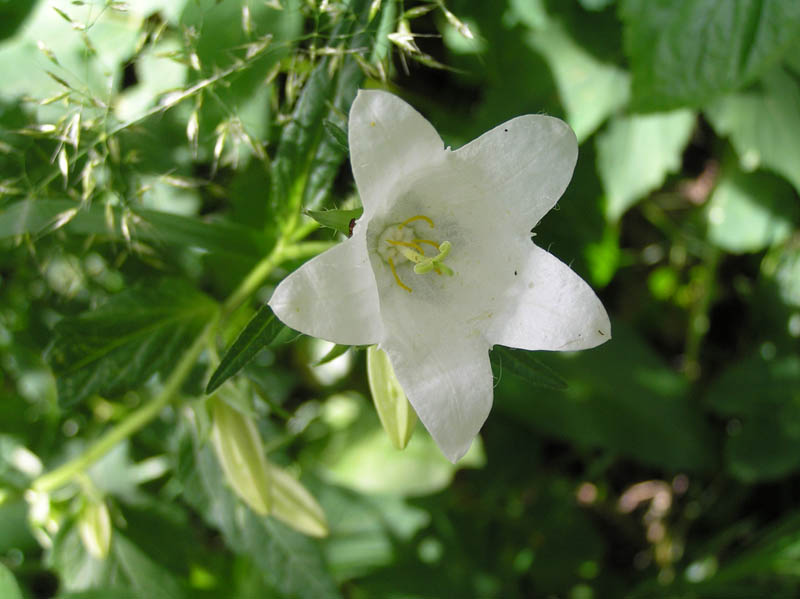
<point>164,165</point>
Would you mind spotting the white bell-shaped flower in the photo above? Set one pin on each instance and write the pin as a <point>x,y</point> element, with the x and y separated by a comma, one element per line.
<point>441,265</point>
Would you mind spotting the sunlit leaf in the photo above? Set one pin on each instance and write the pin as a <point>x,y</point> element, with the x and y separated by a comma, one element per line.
<point>764,124</point>
<point>688,52</point>
<point>749,212</point>
<point>635,154</point>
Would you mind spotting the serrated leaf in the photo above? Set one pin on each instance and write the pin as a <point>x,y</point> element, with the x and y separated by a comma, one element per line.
<point>635,154</point>
<point>524,364</point>
<point>135,334</point>
<point>262,330</point>
<point>764,124</point>
<point>340,220</point>
<point>688,52</point>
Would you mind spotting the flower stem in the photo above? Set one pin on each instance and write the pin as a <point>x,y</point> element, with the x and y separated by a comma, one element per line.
<point>132,423</point>
<point>143,415</point>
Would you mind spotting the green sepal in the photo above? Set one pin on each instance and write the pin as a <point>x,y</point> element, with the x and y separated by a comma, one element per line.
<point>340,220</point>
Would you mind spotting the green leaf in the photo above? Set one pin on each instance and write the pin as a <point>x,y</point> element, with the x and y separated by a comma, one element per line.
<point>764,124</point>
<point>337,134</point>
<point>524,364</point>
<point>135,334</point>
<point>340,220</point>
<point>369,462</point>
<point>9,589</point>
<point>688,52</point>
<point>288,560</point>
<point>762,395</point>
<point>262,330</point>
<point>146,576</point>
<point>641,411</point>
<point>590,90</point>
<point>307,160</point>
<point>635,154</point>
<point>750,212</point>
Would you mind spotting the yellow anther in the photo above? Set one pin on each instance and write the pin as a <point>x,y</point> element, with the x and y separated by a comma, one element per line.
<point>409,244</point>
<point>397,278</point>
<point>413,218</point>
<point>426,241</point>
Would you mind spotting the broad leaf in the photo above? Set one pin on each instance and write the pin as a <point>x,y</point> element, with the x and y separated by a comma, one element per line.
<point>9,589</point>
<point>641,411</point>
<point>750,212</point>
<point>135,334</point>
<point>764,124</point>
<point>590,90</point>
<point>762,395</point>
<point>635,154</point>
<point>262,330</point>
<point>688,52</point>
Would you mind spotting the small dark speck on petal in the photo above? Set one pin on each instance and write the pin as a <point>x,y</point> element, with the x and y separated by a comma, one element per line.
<point>506,130</point>
<point>601,332</point>
<point>515,273</point>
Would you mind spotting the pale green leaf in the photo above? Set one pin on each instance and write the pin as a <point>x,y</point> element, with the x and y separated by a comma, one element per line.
<point>9,589</point>
<point>749,212</point>
<point>590,90</point>
<point>635,154</point>
<point>764,124</point>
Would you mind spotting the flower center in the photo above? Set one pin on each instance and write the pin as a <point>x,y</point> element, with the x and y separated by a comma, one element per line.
<point>401,242</point>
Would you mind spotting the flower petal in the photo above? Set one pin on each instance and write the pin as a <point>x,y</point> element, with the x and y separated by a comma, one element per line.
<point>445,373</point>
<point>333,296</point>
<point>547,306</point>
<point>389,141</point>
<point>525,165</point>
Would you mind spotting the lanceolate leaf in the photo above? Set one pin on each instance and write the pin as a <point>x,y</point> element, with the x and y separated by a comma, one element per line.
<point>259,332</point>
<point>308,158</point>
<point>687,52</point>
<point>524,365</point>
<point>135,334</point>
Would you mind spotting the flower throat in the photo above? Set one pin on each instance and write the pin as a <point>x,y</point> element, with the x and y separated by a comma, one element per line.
<point>401,241</point>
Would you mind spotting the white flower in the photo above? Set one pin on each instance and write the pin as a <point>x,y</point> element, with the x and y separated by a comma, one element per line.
<point>441,265</point>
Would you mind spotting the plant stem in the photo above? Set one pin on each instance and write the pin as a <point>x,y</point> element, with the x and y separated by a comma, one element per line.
<point>142,416</point>
<point>132,423</point>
